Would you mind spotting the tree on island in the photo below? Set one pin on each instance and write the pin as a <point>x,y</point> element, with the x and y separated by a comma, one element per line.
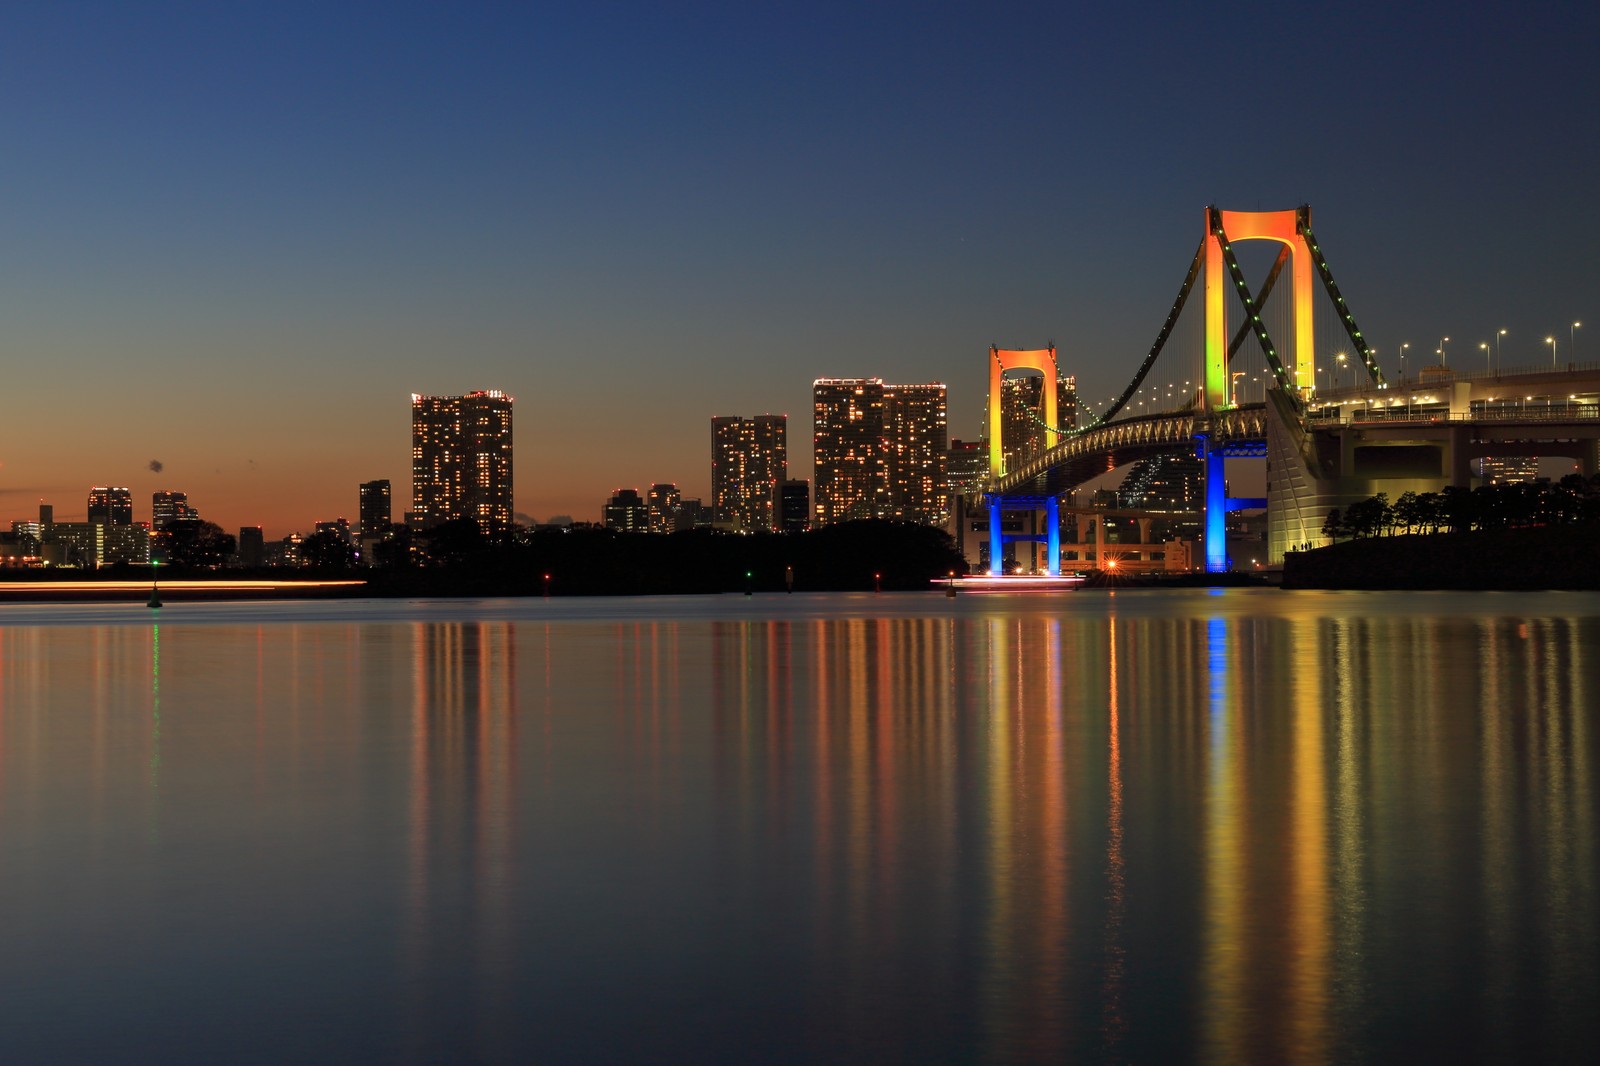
<point>1333,525</point>
<point>191,542</point>
<point>327,550</point>
<point>846,555</point>
<point>455,542</point>
<point>1518,505</point>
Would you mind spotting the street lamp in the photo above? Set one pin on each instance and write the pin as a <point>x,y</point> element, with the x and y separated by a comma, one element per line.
<point>1497,337</point>
<point>1237,374</point>
<point>1444,357</point>
<point>1485,347</point>
<point>1403,348</point>
<point>1340,377</point>
<point>1551,341</point>
<point>1573,347</point>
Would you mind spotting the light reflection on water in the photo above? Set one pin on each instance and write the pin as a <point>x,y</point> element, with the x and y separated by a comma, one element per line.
<point>1135,827</point>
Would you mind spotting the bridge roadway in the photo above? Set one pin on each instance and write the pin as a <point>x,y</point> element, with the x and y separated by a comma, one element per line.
<point>1528,394</point>
<point>1104,448</point>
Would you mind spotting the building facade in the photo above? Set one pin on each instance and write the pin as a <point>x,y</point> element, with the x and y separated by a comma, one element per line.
<point>626,512</point>
<point>461,459</point>
<point>792,506</point>
<point>375,508</point>
<point>916,452</point>
<point>1022,428</point>
<point>881,451</point>
<point>111,506</point>
<point>662,500</point>
<point>850,478</point>
<point>167,507</point>
<point>749,458</point>
<point>252,550</point>
<point>1508,469</point>
<point>125,544</point>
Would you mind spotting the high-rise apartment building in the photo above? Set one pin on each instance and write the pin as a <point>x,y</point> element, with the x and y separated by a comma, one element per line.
<point>880,450</point>
<point>916,450</point>
<point>850,477</point>
<point>1022,428</point>
<point>749,457</point>
<point>166,507</point>
<point>461,459</point>
<point>111,506</point>
<point>375,507</point>
<point>662,500</point>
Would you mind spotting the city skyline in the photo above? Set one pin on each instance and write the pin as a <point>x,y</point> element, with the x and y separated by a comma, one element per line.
<point>243,237</point>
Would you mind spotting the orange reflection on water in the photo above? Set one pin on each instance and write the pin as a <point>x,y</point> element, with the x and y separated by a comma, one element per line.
<point>1222,835</point>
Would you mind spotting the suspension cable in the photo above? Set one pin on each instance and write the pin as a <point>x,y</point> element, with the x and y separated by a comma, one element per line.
<point>1346,319</point>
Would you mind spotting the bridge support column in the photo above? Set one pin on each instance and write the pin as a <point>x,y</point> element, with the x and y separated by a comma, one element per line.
<point>1216,517</point>
<point>997,540</point>
<point>1052,523</point>
<point>1050,538</point>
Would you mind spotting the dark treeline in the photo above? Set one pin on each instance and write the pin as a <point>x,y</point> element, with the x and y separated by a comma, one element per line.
<point>455,559</point>
<point>1573,500</point>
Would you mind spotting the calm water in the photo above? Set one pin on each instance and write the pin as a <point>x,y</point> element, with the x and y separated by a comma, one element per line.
<point>1145,826</point>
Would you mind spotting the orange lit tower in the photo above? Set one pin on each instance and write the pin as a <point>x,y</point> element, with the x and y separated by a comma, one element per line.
<point>1044,361</point>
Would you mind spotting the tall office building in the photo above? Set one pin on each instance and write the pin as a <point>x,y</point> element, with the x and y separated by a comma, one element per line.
<point>690,513</point>
<point>168,507</point>
<point>916,450</point>
<point>792,506</point>
<point>749,457</point>
<point>662,500</point>
<point>967,468</point>
<point>375,509</point>
<point>111,506</point>
<point>461,459</point>
<point>252,547</point>
<point>1506,469</point>
<point>1165,483</point>
<point>880,450</point>
<point>850,476</point>
<point>625,512</point>
<point>1022,429</point>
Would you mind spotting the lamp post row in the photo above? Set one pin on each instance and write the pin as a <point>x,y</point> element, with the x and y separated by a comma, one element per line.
<point>1444,358</point>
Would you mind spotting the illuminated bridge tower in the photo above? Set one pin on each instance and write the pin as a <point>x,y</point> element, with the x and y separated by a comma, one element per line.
<point>1044,361</point>
<point>1295,375</point>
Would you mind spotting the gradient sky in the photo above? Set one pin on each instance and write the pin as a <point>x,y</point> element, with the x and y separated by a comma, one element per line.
<point>238,236</point>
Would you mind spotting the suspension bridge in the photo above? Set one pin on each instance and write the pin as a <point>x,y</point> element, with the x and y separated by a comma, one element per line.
<point>1324,447</point>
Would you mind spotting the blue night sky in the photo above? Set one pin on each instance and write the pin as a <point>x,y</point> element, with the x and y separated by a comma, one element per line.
<point>238,236</point>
